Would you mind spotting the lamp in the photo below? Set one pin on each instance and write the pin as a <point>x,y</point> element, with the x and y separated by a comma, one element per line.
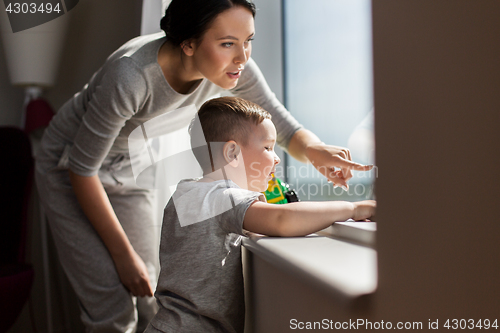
<point>33,55</point>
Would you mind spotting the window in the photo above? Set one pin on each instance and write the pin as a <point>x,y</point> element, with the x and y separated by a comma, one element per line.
<point>328,87</point>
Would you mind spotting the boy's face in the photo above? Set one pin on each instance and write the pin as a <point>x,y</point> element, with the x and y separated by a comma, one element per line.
<point>259,157</point>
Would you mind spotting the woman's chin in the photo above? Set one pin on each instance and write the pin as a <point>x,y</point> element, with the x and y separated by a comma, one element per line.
<point>226,84</point>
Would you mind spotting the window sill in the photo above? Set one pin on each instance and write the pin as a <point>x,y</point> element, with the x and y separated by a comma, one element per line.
<point>339,260</point>
<point>362,233</point>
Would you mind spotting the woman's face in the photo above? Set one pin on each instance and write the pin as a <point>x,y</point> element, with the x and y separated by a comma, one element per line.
<point>222,52</point>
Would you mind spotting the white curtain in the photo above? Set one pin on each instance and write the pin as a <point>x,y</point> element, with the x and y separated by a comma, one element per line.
<point>152,12</point>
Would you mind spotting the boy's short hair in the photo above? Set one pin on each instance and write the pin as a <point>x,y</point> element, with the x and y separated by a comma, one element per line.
<point>221,120</point>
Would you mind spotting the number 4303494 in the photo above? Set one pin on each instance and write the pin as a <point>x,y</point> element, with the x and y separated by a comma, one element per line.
<point>32,8</point>
<point>470,324</point>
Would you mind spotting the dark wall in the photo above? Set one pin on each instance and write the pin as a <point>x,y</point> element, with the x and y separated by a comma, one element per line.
<point>437,106</point>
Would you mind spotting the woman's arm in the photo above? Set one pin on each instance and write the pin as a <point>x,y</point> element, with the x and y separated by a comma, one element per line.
<point>305,146</point>
<point>303,218</point>
<point>96,206</point>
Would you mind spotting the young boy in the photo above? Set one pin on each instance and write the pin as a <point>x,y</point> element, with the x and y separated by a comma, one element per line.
<point>200,288</point>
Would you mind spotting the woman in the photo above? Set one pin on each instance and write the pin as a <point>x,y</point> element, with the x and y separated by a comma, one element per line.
<point>101,220</point>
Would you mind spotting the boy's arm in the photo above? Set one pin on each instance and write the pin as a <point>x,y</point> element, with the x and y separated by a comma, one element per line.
<point>303,218</point>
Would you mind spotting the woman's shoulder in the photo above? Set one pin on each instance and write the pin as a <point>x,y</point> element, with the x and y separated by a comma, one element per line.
<point>142,49</point>
<point>128,64</point>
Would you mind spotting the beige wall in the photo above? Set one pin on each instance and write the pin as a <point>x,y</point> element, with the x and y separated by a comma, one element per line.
<point>96,29</point>
<point>437,104</point>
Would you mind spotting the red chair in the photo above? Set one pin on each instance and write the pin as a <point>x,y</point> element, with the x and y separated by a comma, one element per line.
<point>39,113</point>
<point>16,180</point>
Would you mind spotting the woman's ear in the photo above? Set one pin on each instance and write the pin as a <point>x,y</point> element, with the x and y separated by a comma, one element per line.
<point>188,47</point>
<point>231,153</point>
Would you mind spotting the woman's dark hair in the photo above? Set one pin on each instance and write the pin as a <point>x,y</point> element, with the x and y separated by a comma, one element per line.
<point>187,19</point>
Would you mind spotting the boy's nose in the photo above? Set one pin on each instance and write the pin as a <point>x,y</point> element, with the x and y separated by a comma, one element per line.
<point>276,158</point>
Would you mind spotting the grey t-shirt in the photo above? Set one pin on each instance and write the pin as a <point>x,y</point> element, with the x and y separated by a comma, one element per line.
<point>127,91</point>
<point>200,288</point>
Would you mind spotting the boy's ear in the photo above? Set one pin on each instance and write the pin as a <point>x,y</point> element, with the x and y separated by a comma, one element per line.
<point>231,152</point>
<point>188,47</point>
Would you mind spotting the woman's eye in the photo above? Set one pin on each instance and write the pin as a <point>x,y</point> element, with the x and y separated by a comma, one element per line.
<point>228,44</point>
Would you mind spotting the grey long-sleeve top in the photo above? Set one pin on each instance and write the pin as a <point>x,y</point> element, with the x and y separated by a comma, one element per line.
<point>127,91</point>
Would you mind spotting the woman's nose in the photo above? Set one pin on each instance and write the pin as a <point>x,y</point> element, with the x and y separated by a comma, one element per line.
<point>242,56</point>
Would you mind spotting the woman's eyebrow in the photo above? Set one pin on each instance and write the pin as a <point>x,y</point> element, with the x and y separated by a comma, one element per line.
<point>228,37</point>
<point>235,38</point>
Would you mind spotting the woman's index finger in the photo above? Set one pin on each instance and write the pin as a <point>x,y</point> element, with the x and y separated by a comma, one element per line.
<point>353,165</point>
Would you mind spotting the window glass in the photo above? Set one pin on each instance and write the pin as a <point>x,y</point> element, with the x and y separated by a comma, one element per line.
<point>328,87</point>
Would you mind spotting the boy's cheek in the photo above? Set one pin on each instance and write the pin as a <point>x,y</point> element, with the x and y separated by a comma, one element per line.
<point>254,169</point>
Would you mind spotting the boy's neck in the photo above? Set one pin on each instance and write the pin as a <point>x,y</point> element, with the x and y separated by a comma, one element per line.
<point>212,176</point>
<point>220,175</point>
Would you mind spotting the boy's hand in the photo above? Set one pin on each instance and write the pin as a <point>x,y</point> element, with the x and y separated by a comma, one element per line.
<point>364,210</point>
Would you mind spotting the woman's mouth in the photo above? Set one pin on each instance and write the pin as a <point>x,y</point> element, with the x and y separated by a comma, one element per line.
<point>234,75</point>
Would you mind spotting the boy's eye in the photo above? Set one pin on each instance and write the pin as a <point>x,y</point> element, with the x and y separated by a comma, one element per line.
<point>267,148</point>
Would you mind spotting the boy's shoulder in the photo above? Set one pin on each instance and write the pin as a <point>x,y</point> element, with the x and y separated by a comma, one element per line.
<point>196,201</point>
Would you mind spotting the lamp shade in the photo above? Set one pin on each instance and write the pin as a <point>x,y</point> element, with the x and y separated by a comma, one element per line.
<point>33,55</point>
